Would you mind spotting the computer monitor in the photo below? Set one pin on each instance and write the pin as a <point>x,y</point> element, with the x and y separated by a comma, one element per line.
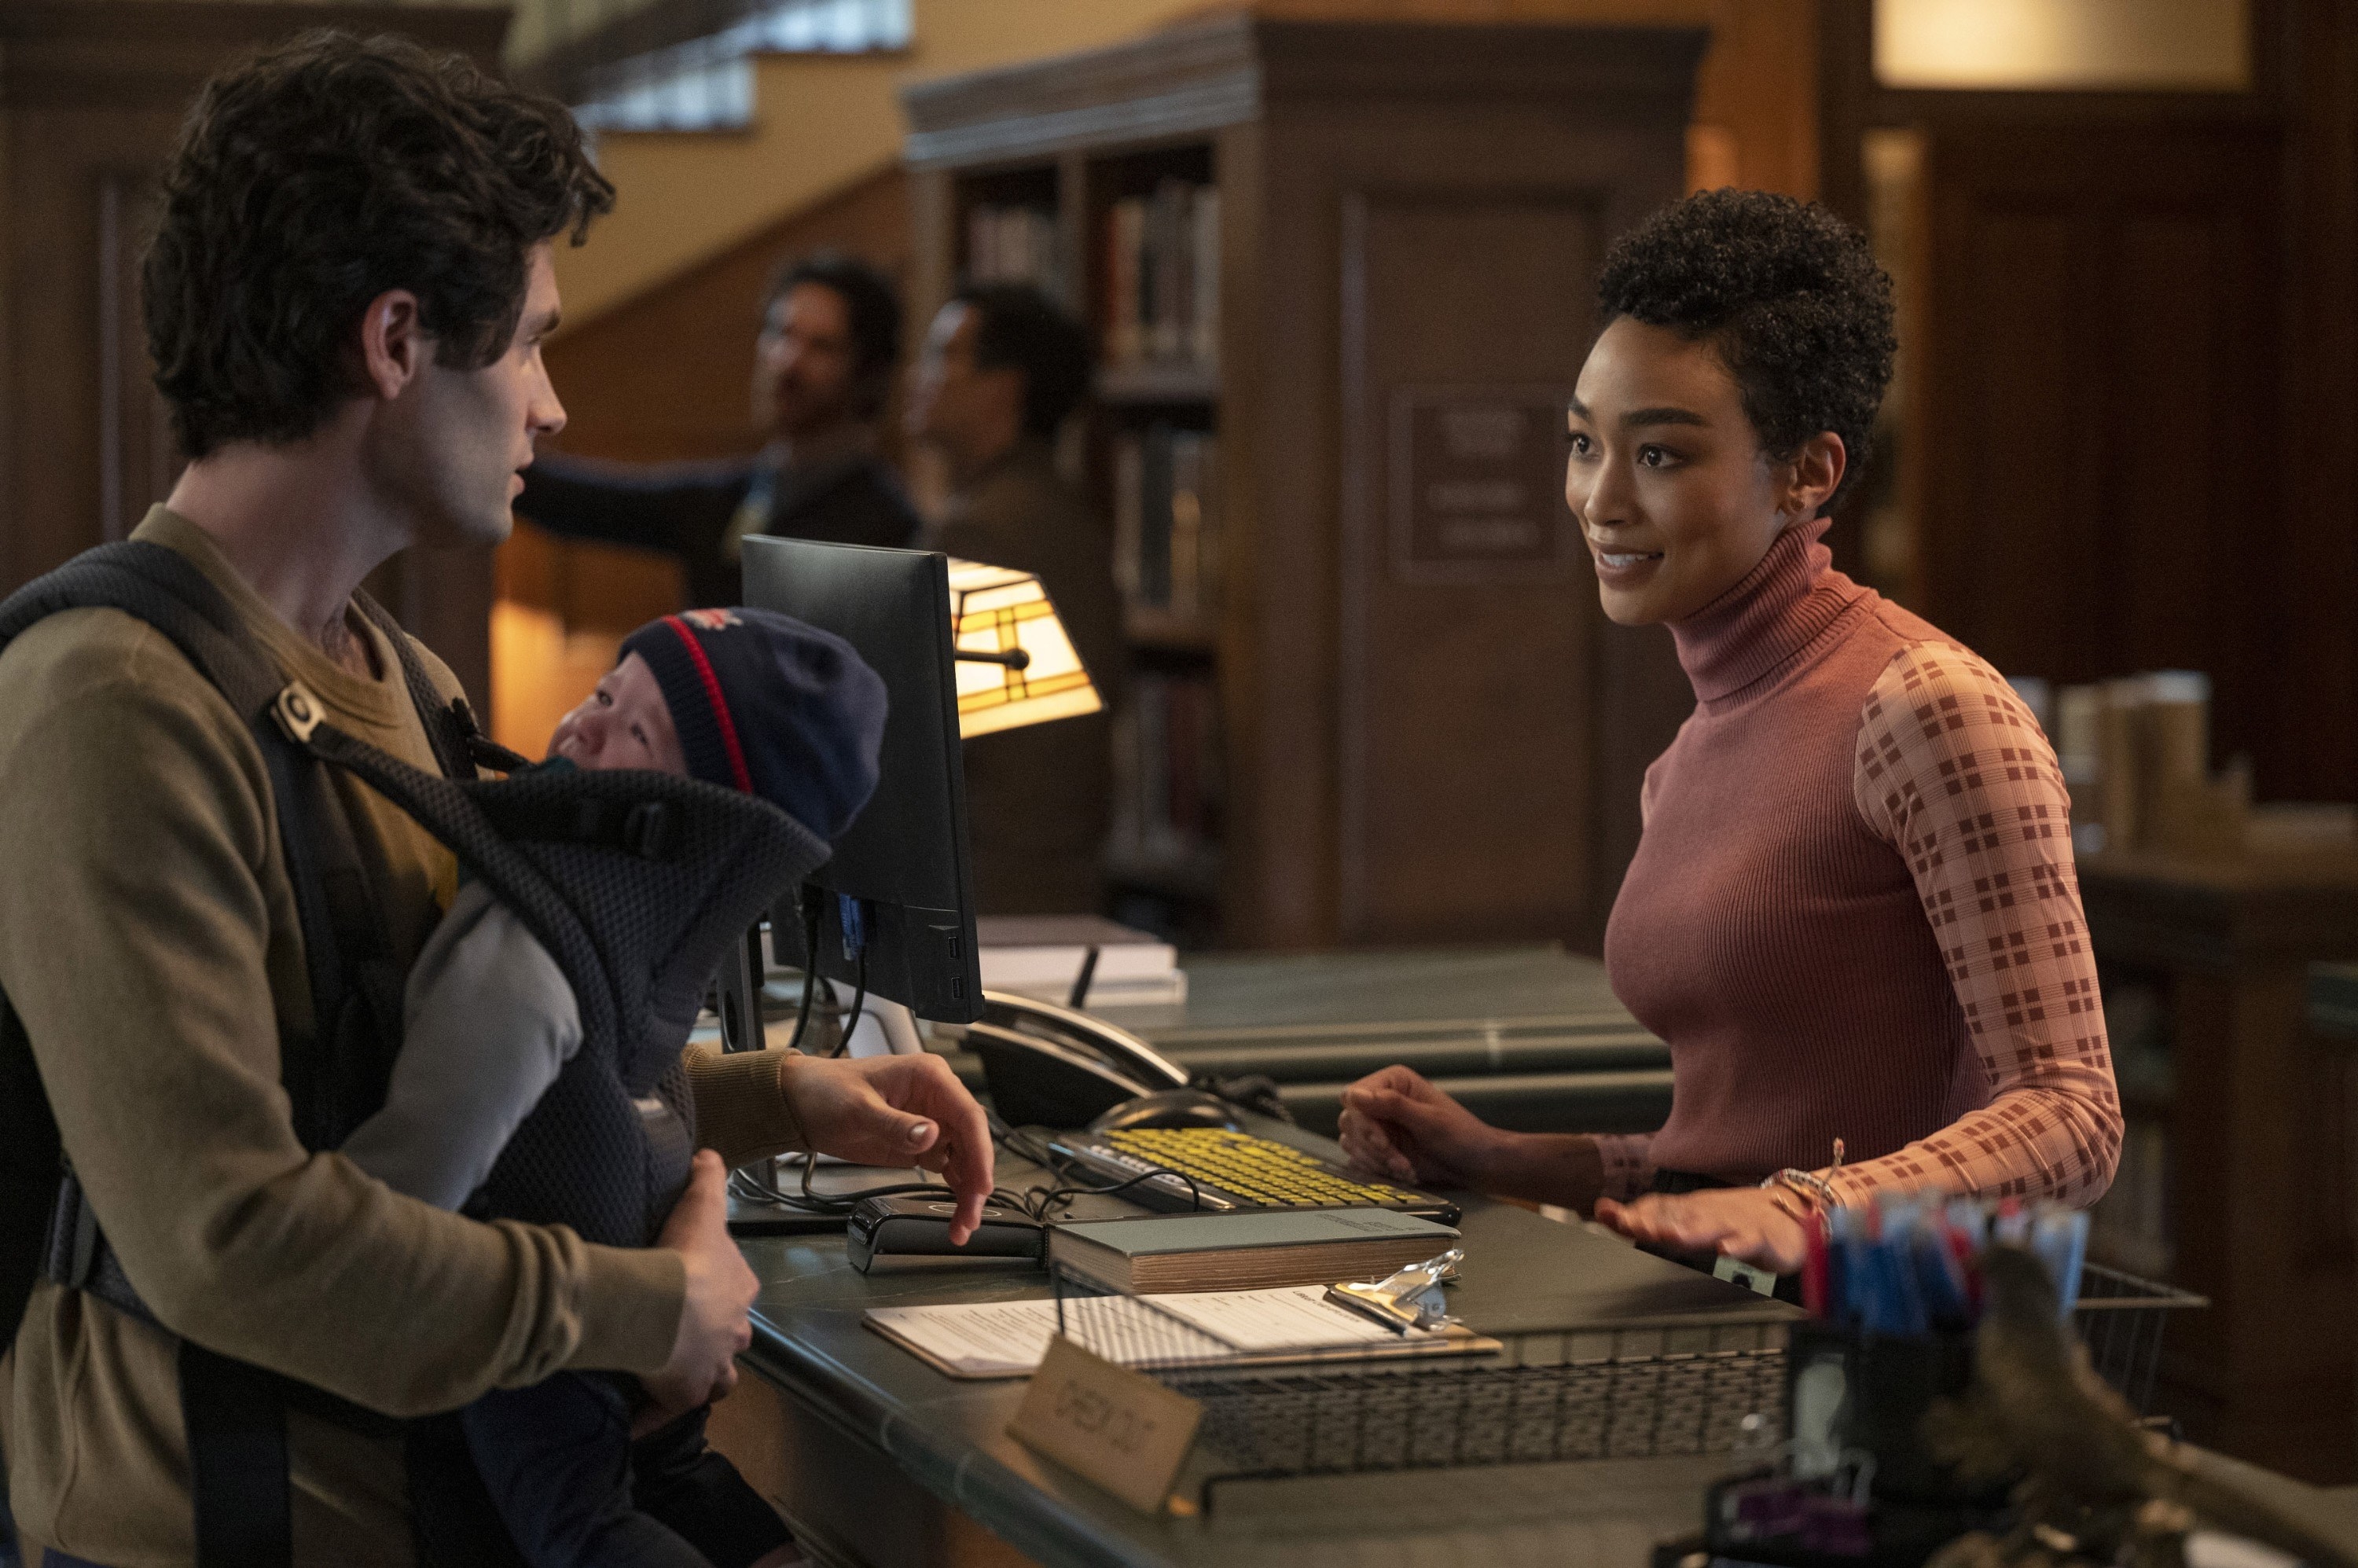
<point>897,905</point>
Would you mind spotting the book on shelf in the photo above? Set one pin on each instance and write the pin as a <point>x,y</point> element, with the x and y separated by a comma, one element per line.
<point>1013,244</point>
<point>1168,802</point>
<point>1162,277</point>
<point>1167,534</point>
<point>1245,1251</point>
<point>1041,956</point>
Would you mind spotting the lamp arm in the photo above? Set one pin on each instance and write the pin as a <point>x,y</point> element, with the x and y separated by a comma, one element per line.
<point>1013,658</point>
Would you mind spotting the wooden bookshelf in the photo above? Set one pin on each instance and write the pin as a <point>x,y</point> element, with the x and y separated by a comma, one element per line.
<point>1420,727</point>
<point>2242,1189</point>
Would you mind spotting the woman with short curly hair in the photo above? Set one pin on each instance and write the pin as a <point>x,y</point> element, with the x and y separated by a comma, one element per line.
<point>1853,912</point>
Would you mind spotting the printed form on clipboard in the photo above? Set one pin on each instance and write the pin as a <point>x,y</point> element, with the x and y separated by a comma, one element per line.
<point>1272,1327</point>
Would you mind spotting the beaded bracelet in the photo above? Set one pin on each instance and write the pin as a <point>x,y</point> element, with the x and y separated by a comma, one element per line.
<point>1809,1184</point>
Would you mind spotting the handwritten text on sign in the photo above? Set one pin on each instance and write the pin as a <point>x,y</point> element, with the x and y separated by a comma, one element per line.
<point>1124,1431</point>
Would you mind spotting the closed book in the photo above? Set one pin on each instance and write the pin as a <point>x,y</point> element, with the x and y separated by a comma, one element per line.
<point>1249,1251</point>
<point>1019,950</point>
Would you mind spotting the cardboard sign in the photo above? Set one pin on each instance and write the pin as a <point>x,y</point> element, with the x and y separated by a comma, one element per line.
<point>1124,1431</point>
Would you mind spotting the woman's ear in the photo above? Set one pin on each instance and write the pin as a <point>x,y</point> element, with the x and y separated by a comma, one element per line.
<point>1814,475</point>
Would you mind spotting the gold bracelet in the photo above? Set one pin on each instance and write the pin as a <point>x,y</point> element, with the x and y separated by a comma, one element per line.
<point>1809,1184</point>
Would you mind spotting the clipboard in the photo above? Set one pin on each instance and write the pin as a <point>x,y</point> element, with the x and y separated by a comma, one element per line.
<point>1454,1341</point>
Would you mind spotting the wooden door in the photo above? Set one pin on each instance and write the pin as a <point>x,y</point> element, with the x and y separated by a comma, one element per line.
<point>1468,607</point>
<point>2096,473</point>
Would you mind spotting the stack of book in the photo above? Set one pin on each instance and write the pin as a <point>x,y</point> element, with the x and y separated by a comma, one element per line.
<point>1167,804</point>
<point>2136,756</point>
<point>1254,1250</point>
<point>1042,955</point>
<point>1162,277</point>
<point>1167,510</point>
<point>1012,245</point>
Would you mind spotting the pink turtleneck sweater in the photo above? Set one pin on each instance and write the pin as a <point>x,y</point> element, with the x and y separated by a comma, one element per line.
<point>1853,912</point>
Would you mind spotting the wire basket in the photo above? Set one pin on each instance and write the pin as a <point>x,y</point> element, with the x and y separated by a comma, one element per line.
<point>2120,1318</point>
<point>1641,1388</point>
<point>1638,1388</point>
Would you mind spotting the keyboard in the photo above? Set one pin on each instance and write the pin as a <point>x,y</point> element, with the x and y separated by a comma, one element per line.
<point>1234,1171</point>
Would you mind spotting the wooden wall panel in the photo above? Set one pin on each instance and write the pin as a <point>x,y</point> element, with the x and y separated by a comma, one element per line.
<point>668,375</point>
<point>1465,679</point>
<point>92,95</point>
<point>2316,553</point>
<point>2099,357</point>
<point>2213,342</point>
<point>1359,761</point>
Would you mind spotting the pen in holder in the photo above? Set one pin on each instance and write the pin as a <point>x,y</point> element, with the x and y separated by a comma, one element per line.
<point>1895,1291</point>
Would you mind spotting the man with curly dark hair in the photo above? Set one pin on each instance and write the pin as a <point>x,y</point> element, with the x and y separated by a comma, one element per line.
<point>824,361</point>
<point>345,300</point>
<point>1851,914</point>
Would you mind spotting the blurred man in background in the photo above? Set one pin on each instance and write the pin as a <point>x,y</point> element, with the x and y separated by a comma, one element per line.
<point>1002,370</point>
<point>823,372</point>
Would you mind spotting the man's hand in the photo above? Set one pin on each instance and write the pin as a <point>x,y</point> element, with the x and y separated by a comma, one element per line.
<point>895,1110</point>
<point>1748,1223</point>
<point>1396,1124</point>
<point>713,1322</point>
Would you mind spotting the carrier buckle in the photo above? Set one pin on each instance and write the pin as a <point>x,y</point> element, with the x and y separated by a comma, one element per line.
<point>647,831</point>
<point>297,713</point>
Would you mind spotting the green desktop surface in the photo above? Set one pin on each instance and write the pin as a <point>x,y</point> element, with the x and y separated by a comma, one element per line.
<point>1529,1037</point>
<point>863,1407</point>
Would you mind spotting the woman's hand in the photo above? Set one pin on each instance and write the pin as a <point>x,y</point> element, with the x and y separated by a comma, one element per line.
<point>1745,1222</point>
<point>895,1110</point>
<point>1398,1125</point>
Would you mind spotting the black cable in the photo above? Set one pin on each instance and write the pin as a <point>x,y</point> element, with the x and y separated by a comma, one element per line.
<point>812,912</point>
<point>859,1006</point>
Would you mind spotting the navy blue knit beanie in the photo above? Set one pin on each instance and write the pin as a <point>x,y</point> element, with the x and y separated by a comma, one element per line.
<point>771,705</point>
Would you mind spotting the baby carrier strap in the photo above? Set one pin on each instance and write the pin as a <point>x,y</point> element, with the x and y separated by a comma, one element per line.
<point>636,883</point>
<point>459,745</point>
<point>235,1413</point>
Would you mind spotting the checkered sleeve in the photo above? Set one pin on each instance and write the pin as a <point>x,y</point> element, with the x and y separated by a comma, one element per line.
<point>1953,772</point>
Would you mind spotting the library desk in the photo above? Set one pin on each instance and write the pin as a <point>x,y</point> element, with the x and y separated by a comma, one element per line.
<point>1529,1037</point>
<point>879,1461</point>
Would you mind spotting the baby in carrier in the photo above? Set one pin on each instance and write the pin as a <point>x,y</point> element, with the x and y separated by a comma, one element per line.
<point>744,698</point>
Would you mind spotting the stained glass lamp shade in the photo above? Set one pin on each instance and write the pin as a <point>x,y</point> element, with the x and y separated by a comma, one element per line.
<point>1015,664</point>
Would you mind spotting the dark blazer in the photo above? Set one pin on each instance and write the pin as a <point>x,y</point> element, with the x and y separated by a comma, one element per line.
<point>1039,799</point>
<point>684,509</point>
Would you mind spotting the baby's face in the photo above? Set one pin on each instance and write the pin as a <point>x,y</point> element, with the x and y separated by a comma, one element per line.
<point>625,723</point>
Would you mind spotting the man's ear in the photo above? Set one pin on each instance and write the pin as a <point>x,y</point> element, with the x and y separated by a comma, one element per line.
<point>1814,474</point>
<point>395,346</point>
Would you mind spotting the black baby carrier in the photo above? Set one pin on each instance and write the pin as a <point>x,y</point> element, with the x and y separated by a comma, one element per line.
<point>636,883</point>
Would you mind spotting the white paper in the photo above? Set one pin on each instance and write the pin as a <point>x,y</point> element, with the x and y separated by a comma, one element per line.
<point>985,1339</point>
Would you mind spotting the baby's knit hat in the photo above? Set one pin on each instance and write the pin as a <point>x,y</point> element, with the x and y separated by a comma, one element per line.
<point>771,705</point>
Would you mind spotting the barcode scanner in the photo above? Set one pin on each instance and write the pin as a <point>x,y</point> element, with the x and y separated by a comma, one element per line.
<point>920,1227</point>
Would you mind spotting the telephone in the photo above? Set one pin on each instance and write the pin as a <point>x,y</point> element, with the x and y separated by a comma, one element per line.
<point>1053,1067</point>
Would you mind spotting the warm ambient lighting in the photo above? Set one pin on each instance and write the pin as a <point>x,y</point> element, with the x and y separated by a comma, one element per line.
<point>2088,45</point>
<point>1015,664</point>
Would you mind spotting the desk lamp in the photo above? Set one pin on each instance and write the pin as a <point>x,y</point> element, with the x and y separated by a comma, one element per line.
<point>1015,663</point>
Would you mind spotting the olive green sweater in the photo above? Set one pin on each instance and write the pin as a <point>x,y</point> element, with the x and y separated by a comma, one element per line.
<point>149,940</point>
